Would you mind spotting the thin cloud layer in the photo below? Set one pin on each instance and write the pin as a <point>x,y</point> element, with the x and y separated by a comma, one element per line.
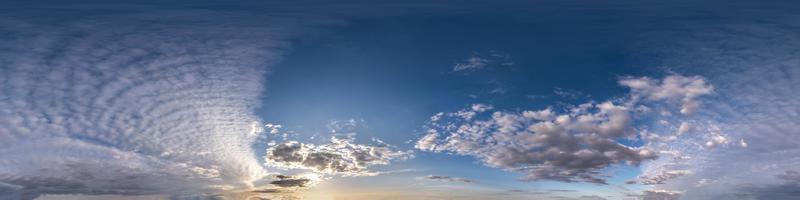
<point>135,103</point>
<point>547,145</point>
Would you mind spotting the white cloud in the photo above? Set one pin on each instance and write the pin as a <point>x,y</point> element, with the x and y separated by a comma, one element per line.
<point>160,102</point>
<point>674,87</point>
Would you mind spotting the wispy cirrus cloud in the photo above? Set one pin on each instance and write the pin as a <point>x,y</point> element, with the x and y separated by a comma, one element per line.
<point>484,61</point>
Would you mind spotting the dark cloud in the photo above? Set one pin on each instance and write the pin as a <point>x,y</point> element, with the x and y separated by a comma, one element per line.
<point>294,182</point>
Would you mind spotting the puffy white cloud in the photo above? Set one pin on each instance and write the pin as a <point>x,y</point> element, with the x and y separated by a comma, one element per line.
<point>339,157</point>
<point>674,87</point>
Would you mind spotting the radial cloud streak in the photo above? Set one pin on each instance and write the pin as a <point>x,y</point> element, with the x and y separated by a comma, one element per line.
<point>132,103</point>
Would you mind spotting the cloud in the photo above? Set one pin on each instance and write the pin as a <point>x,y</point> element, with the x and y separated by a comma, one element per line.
<point>571,146</point>
<point>290,181</point>
<point>447,179</point>
<point>790,175</point>
<point>339,157</point>
<point>591,197</point>
<point>567,148</point>
<point>488,60</point>
<point>673,88</point>
<point>753,65</point>
<point>662,176</point>
<point>660,195</point>
<point>133,103</point>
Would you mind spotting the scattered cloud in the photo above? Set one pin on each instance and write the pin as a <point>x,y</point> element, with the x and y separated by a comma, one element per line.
<point>661,195</point>
<point>546,145</point>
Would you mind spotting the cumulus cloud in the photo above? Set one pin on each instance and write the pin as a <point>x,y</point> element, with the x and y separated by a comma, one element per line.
<point>447,179</point>
<point>565,148</point>
<point>339,157</point>
<point>673,88</point>
<point>571,146</point>
<point>133,103</point>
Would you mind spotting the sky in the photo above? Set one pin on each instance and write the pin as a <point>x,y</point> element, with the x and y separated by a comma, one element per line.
<point>356,100</point>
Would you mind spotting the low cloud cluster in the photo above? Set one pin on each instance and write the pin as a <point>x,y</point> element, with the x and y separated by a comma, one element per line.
<point>570,146</point>
<point>339,157</point>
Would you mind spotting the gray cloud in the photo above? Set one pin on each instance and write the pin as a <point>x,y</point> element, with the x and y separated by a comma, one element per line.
<point>340,156</point>
<point>672,88</point>
<point>447,179</point>
<point>290,181</point>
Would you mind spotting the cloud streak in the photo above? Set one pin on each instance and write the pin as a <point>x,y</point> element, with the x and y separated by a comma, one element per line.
<point>133,103</point>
